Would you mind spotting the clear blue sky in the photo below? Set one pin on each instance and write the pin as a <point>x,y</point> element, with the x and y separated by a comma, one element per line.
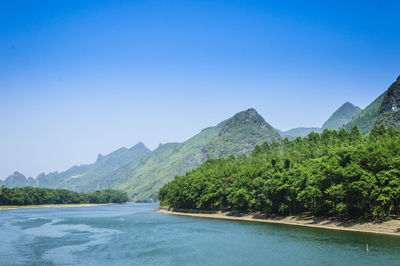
<point>78,78</point>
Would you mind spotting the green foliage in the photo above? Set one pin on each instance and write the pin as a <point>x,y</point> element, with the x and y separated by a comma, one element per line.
<point>145,178</point>
<point>240,134</point>
<point>389,119</point>
<point>389,112</point>
<point>335,173</point>
<point>39,196</point>
<point>237,135</point>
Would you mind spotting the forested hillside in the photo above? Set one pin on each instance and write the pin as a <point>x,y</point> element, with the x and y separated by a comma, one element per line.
<point>336,173</point>
<point>142,172</point>
<point>365,120</point>
<point>236,135</point>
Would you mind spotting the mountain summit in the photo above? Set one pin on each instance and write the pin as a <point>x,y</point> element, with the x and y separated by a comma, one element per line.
<point>249,117</point>
<point>240,134</point>
<point>84,177</point>
<point>341,116</point>
<point>236,135</point>
<point>142,172</point>
<point>337,120</point>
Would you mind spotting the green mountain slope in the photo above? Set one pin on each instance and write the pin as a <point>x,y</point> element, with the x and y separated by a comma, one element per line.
<point>16,180</point>
<point>236,135</point>
<point>341,116</point>
<point>240,134</point>
<point>366,119</point>
<point>97,175</point>
<point>382,111</point>
<point>389,113</point>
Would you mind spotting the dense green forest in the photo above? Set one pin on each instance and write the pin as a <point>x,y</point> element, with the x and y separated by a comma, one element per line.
<point>335,173</point>
<point>38,196</point>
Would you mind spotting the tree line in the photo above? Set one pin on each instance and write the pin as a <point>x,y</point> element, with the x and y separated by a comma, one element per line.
<point>336,173</point>
<point>39,196</point>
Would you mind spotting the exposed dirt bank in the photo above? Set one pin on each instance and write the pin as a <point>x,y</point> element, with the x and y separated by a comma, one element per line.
<point>391,227</point>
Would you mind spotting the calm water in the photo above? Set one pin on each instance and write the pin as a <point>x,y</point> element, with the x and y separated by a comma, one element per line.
<point>133,234</point>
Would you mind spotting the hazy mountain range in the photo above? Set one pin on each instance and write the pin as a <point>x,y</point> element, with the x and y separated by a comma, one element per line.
<point>142,172</point>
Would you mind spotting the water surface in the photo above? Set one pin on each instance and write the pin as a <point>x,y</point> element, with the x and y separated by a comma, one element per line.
<point>133,234</point>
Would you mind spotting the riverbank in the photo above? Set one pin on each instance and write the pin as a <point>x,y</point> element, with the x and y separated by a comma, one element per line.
<point>391,227</point>
<point>11,207</point>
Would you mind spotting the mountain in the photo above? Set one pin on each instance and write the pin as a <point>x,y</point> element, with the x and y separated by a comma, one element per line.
<point>240,134</point>
<point>299,132</point>
<point>237,135</point>
<point>141,172</point>
<point>17,180</point>
<point>366,119</point>
<point>382,111</point>
<point>89,177</point>
<point>94,176</point>
<point>341,116</point>
<point>389,113</point>
<point>337,120</point>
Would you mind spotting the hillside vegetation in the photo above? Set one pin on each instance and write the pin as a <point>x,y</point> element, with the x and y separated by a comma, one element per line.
<point>389,113</point>
<point>39,196</point>
<point>237,135</point>
<point>366,119</point>
<point>336,173</point>
<point>142,172</point>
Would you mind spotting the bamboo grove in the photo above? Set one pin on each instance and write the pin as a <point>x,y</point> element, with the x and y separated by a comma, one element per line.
<point>336,173</point>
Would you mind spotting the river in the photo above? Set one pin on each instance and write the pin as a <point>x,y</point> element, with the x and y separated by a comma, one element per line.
<point>134,234</point>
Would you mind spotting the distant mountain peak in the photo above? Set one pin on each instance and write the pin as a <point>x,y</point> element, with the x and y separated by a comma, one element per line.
<point>15,180</point>
<point>341,116</point>
<point>250,113</point>
<point>247,117</point>
<point>140,144</point>
<point>17,173</point>
<point>347,104</point>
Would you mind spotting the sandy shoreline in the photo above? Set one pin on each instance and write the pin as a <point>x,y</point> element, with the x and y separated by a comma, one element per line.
<point>11,207</point>
<point>387,228</point>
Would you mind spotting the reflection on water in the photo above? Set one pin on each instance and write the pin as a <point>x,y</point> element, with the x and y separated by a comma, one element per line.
<point>135,234</point>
